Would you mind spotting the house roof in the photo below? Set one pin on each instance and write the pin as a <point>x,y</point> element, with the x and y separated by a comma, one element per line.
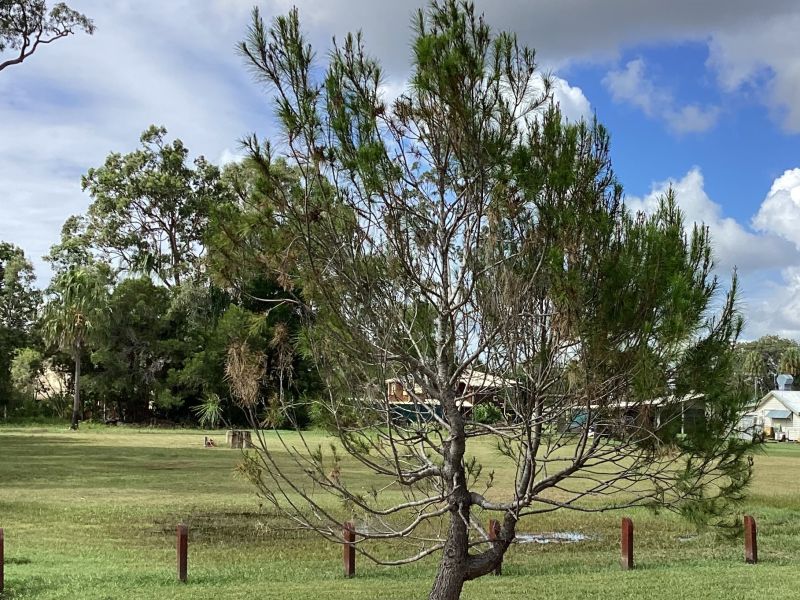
<point>475,380</point>
<point>790,400</point>
<point>663,400</point>
<point>479,379</point>
<point>428,401</point>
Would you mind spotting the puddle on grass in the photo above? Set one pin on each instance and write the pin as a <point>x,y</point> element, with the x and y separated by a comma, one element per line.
<point>556,537</point>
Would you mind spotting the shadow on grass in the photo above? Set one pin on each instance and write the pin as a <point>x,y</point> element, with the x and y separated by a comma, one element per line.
<point>31,587</point>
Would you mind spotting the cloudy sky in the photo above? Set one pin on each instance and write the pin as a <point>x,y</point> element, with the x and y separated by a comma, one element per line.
<point>703,96</point>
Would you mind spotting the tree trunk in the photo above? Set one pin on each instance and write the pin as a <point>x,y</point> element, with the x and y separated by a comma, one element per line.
<point>452,568</point>
<point>76,403</point>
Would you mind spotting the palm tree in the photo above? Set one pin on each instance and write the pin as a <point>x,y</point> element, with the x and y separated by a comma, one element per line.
<point>754,368</point>
<point>790,362</point>
<point>78,303</point>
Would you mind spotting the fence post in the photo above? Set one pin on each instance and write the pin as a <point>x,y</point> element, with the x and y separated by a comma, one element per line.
<point>494,531</point>
<point>183,551</point>
<point>627,544</point>
<point>349,549</point>
<point>750,541</point>
<point>2,560</point>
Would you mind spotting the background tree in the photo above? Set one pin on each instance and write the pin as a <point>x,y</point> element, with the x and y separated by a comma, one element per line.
<point>790,362</point>
<point>74,249</point>
<point>154,214</point>
<point>25,25</point>
<point>133,354</point>
<point>77,303</point>
<point>469,206</point>
<point>249,255</point>
<point>753,369</point>
<point>27,367</point>
<point>43,389</point>
<point>760,361</point>
<point>19,302</point>
<point>150,208</point>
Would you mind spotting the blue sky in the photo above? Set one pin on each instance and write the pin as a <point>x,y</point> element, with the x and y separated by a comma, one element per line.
<point>701,95</point>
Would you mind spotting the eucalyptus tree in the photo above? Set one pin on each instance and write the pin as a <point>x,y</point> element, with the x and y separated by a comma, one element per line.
<point>150,208</point>
<point>26,25</point>
<point>73,248</point>
<point>466,231</point>
<point>77,304</point>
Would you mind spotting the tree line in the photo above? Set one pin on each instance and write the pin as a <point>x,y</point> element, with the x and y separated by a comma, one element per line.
<point>151,289</point>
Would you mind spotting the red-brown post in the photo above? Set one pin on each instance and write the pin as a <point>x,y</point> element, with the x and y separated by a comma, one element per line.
<point>627,544</point>
<point>494,531</point>
<point>183,551</point>
<point>750,541</point>
<point>349,549</point>
<point>2,559</point>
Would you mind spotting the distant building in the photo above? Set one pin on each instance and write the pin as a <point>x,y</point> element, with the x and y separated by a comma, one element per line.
<point>474,387</point>
<point>669,415</point>
<point>777,414</point>
<point>51,384</point>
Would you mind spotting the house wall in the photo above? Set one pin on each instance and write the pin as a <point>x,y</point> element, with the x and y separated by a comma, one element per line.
<point>790,425</point>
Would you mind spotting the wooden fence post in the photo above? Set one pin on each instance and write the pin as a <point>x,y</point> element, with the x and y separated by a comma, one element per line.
<point>183,551</point>
<point>494,531</point>
<point>750,541</point>
<point>627,544</point>
<point>2,560</point>
<point>349,549</point>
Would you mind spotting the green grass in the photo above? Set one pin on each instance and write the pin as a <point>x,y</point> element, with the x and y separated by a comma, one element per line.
<point>92,515</point>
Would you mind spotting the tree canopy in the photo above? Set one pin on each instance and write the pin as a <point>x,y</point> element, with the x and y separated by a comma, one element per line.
<point>19,303</point>
<point>150,208</point>
<point>25,25</point>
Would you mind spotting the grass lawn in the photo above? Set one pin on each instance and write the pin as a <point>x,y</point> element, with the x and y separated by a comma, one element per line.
<point>92,515</point>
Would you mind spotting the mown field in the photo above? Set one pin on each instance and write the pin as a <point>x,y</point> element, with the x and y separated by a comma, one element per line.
<point>92,515</point>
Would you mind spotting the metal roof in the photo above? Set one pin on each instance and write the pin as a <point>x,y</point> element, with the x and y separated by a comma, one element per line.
<point>473,380</point>
<point>790,400</point>
<point>664,400</point>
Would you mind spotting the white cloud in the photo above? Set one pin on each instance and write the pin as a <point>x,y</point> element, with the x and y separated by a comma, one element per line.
<point>734,245</point>
<point>229,156</point>
<point>767,258</point>
<point>771,304</point>
<point>763,56</point>
<point>574,104</point>
<point>391,90</point>
<point>631,85</point>
<point>570,98</point>
<point>780,211</point>
<point>774,304</point>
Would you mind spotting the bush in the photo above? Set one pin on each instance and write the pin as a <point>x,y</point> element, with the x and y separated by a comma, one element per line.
<point>486,413</point>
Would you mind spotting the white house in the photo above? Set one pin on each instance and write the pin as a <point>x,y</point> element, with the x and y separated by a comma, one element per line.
<point>780,410</point>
